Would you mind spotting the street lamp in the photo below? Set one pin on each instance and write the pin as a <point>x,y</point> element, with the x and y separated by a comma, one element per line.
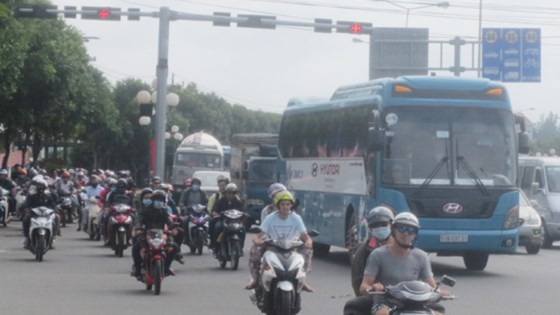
<point>147,100</point>
<point>442,4</point>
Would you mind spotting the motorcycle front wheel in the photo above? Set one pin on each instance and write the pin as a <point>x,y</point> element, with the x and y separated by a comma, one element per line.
<point>199,242</point>
<point>40,247</point>
<point>234,250</point>
<point>157,271</point>
<point>119,248</point>
<point>284,302</point>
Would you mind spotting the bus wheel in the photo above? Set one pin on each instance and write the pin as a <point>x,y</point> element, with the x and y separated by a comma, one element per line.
<point>475,261</point>
<point>320,250</point>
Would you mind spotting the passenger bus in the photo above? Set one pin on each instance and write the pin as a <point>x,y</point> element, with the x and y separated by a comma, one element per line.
<point>444,148</point>
<point>198,151</point>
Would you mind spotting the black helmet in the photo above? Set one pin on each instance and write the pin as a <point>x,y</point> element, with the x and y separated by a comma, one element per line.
<point>380,214</point>
<point>196,179</point>
<point>146,191</point>
<point>122,183</point>
<point>159,195</point>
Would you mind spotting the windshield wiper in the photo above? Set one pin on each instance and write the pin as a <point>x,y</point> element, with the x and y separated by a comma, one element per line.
<point>444,160</point>
<point>468,169</point>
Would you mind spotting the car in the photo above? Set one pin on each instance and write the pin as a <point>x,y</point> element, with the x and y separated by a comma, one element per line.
<point>531,232</point>
<point>209,180</point>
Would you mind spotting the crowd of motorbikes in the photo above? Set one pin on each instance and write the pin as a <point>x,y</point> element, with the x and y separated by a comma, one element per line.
<point>282,272</point>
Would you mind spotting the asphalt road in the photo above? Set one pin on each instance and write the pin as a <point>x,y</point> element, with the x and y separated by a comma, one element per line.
<point>83,277</point>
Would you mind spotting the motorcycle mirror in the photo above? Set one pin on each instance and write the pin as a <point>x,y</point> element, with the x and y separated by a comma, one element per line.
<point>313,233</point>
<point>448,281</point>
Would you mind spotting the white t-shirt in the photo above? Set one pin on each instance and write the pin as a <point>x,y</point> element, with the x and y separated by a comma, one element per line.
<point>277,228</point>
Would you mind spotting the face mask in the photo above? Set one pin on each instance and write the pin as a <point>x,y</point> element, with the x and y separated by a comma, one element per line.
<point>158,204</point>
<point>381,233</point>
<point>195,187</point>
<point>146,202</point>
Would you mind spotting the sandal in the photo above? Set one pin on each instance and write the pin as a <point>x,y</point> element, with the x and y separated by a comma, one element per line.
<point>251,285</point>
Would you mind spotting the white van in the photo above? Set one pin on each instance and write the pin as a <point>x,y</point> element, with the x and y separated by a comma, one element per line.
<point>539,178</point>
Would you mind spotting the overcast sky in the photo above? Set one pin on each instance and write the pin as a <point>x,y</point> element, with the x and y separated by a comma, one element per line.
<point>262,69</point>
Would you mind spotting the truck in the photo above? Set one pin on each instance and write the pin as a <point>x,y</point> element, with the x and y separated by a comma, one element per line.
<point>198,151</point>
<point>255,164</point>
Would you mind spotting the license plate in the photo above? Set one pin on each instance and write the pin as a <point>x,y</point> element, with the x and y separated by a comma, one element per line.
<point>453,238</point>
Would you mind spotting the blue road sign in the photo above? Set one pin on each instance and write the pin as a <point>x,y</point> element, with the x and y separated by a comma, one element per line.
<point>511,54</point>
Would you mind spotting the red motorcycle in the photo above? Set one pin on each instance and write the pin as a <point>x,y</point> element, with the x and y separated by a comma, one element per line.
<point>153,259</point>
<point>120,227</point>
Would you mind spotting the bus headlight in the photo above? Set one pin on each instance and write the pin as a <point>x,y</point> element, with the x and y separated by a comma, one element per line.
<point>255,202</point>
<point>512,218</point>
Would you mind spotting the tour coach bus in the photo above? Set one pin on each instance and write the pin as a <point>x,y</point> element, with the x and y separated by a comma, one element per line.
<point>444,148</point>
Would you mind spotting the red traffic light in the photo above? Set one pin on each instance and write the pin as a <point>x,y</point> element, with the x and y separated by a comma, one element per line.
<point>103,13</point>
<point>356,28</point>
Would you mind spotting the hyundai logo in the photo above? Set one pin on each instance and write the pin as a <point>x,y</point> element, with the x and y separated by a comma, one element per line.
<point>453,208</point>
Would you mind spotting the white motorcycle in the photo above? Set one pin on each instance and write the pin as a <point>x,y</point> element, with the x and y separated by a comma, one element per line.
<point>282,277</point>
<point>91,216</point>
<point>3,207</point>
<point>41,233</point>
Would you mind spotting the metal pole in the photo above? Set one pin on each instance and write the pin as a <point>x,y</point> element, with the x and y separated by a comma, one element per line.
<point>479,37</point>
<point>161,75</point>
<point>407,13</point>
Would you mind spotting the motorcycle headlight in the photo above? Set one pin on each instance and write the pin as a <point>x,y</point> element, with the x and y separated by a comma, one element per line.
<point>156,242</point>
<point>255,202</point>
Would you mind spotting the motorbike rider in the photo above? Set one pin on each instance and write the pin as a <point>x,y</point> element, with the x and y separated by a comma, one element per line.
<point>222,183</point>
<point>229,201</point>
<point>390,264</point>
<point>21,177</point>
<point>92,190</point>
<point>271,207</point>
<point>155,182</point>
<point>117,194</point>
<point>282,224</point>
<point>65,187</point>
<point>193,195</point>
<point>37,197</point>
<point>154,216</point>
<point>10,186</point>
<point>379,222</point>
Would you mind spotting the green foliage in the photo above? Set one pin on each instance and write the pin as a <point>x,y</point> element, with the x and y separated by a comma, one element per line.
<point>546,134</point>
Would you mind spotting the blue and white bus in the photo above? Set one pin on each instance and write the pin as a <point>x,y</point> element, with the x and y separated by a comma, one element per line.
<point>444,148</point>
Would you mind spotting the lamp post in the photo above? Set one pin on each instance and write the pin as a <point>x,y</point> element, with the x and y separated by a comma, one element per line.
<point>442,4</point>
<point>147,100</point>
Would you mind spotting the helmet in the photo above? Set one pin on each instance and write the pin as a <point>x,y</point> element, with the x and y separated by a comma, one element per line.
<point>159,195</point>
<point>111,181</point>
<point>3,171</point>
<point>222,178</point>
<point>65,174</point>
<point>23,171</point>
<point>196,179</point>
<point>275,188</point>
<point>231,187</point>
<point>146,191</point>
<point>156,180</point>
<point>284,195</point>
<point>40,183</point>
<point>122,183</point>
<point>407,218</point>
<point>164,187</point>
<point>380,214</point>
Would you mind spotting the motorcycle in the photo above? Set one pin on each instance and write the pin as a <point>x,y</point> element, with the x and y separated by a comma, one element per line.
<point>121,222</point>
<point>93,212</point>
<point>41,233</point>
<point>197,228</point>
<point>21,198</point>
<point>228,243</point>
<point>413,297</point>
<point>3,207</point>
<point>153,259</point>
<point>282,277</point>
<point>66,208</point>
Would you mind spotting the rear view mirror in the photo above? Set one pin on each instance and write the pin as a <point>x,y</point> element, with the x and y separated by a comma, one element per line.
<point>524,142</point>
<point>448,281</point>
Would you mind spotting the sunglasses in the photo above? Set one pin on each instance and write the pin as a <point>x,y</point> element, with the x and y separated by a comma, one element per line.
<point>405,229</point>
<point>378,224</point>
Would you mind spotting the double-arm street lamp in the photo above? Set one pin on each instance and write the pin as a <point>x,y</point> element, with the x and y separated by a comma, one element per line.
<point>442,4</point>
<point>147,100</point>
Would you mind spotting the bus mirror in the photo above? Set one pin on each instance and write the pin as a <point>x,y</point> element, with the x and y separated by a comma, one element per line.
<point>375,139</point>
<point>524,142</point>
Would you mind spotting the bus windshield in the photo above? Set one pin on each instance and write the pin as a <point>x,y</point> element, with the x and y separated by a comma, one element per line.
<point>449,146</point>
<point>202,160</point>
<point>263,171</point>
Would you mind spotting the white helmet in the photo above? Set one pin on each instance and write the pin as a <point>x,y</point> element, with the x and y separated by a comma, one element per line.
<point>407,218</point>
<point>231,187</point>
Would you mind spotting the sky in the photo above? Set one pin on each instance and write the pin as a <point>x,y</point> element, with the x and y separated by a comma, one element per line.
<point>262,69</point>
